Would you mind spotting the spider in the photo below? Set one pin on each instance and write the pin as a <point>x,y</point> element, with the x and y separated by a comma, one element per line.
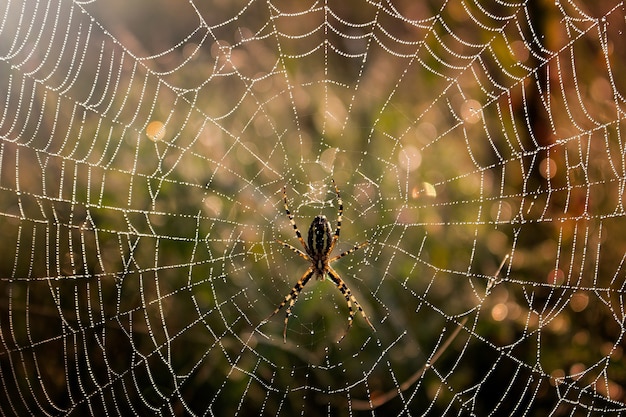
<point>317,251</point>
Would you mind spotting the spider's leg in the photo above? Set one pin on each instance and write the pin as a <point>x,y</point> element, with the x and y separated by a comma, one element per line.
<point>348,252</point>
<point>293,222</point>
<point>291,298</point>
<point>339,213</point>
<point>294,249</point>
<point>349,299</point>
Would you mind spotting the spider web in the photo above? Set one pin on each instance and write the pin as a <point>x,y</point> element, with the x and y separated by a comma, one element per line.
<point>477,147</point>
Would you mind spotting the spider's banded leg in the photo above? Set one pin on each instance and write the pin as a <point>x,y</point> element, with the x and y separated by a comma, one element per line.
<point>294,249</point>
<point>291,298</point>
<point>293,222</point>
<point>348,252</point>
<point>339,213</point>
<point>349,299</point>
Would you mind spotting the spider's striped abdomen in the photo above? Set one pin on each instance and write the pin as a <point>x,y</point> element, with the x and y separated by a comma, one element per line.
<point>319,241</point>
